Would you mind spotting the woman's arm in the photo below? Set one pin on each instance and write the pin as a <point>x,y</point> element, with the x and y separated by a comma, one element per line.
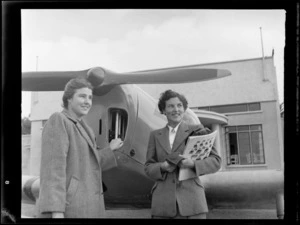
<point>55,144</point>
<point>153,168</point>
<point>210,164</point>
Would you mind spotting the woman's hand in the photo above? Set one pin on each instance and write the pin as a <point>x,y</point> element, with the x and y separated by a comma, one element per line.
<point>167,167</point>
<point>186,162</point>
<point>201,131</point>
<point>116,144</point>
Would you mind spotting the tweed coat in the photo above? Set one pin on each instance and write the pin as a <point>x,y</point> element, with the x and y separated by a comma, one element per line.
<point>71,169</point>
<point>167,190</point>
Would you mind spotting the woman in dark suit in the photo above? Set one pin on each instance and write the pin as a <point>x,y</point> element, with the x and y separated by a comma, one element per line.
<point>71,163</point>
<point>172,198</point>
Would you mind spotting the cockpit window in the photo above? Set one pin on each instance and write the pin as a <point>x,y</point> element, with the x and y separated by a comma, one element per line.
<point>118,120</point>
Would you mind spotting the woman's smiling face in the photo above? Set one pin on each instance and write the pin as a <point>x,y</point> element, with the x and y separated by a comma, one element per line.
<point>81,102</point>
<point>174,111</point>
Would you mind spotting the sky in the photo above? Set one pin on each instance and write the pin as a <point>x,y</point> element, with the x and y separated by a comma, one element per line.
<point>124,40</point>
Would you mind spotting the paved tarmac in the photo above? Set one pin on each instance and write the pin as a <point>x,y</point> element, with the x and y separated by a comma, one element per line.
<point>130,213</point>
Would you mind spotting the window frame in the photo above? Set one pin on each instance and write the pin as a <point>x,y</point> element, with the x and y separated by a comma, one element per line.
<point>235,130</point>
<point>230,108</point>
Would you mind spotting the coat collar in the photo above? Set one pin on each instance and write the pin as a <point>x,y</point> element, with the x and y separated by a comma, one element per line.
<point>84,129</point>
<point>163,138</point>
<point>175,128</point>
<point>69,116</point>
<point>182,133</point>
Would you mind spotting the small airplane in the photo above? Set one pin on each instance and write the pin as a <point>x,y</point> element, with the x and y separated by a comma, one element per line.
<point>122,109</point>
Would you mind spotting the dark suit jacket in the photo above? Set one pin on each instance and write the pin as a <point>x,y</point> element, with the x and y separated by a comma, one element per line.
<point>189,194</point>
<point>71,169</point>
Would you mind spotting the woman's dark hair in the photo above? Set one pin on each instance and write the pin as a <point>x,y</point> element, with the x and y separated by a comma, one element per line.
<point>72,86</point>
<point>165,96</point>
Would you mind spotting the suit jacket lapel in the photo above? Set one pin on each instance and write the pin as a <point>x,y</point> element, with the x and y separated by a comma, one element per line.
<point>181,135</point>
<point>163,138</point>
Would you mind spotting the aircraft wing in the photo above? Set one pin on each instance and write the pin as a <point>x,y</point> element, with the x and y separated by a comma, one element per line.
<point>102,78</point>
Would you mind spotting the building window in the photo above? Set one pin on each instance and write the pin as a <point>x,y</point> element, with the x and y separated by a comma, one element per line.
<point>244,145</point>
<point>254,106</point>
<point>203,108</point>
<point>229,108</point>
<point>233,108</point>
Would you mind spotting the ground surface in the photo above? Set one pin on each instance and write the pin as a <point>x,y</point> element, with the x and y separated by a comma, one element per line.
<point>129,212</point>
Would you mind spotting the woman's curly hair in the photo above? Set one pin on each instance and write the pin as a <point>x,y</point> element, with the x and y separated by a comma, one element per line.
<point>165,96</point>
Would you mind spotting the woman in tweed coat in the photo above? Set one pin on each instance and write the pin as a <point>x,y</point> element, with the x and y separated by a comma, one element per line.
<point>71,163</point>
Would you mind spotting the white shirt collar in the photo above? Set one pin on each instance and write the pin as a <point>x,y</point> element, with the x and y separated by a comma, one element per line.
<point>175,128</point>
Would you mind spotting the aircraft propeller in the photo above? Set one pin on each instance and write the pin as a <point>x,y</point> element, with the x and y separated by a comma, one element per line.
<point>104,80</point>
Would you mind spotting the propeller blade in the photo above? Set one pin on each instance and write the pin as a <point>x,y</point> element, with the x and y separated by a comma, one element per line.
<point>48,81</point>
<point>164,76</point>
<point>161,76</point>
<point>104,80</point>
